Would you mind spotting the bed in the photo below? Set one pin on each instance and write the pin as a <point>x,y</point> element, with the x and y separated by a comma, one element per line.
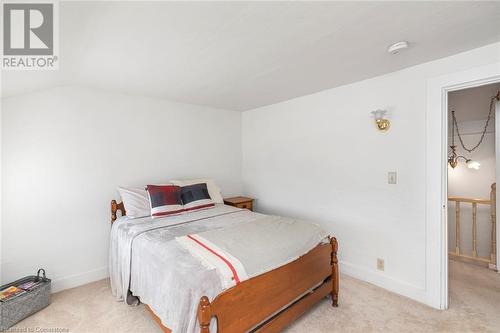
<point>149,263</point>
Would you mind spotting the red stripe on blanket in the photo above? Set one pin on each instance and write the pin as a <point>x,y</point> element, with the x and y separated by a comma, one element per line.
<point>231,267</point>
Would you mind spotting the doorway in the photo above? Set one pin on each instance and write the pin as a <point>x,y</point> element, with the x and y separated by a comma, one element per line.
<point>436,244</point>
<point>472,175</point>
<point>471,225</point>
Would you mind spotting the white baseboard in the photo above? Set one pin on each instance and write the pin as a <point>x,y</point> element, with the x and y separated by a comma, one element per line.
<point>79,279</point>
<point>371,276</point>
<point>382,280</point>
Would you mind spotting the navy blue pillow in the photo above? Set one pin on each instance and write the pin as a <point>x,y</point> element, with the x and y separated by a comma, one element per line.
<point>196,197</point>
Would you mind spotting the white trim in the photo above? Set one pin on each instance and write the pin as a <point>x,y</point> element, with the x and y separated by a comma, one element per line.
<point>436,235</point>
<point>80,279</point>
<point>383,280</point>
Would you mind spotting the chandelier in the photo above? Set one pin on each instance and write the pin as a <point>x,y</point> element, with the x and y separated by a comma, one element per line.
<point>453,157</point>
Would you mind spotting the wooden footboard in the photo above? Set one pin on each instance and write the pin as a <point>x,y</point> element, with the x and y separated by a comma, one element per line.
<point>271,301</point>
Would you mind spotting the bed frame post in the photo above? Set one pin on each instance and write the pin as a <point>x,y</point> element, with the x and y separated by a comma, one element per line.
<point>204,314</point>
<point>335,272</point>
<point>115,207</point>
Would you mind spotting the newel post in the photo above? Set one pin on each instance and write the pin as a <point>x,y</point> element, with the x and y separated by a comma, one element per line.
<point>335,272</point>
<point>204,314</point>
<point>493,199</point>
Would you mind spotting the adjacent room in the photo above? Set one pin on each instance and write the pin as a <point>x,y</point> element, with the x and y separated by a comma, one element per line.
<point>249,166</point>
<point>472,170</point>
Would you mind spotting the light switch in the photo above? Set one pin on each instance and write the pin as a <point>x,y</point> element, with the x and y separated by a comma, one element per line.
<point>392,177</point>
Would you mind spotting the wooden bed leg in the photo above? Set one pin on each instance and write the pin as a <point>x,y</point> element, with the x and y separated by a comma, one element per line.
<point>335,272</point>
<point>204,314</point>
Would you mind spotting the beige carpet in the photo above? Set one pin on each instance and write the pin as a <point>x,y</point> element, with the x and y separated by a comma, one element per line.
<point>474,307</point>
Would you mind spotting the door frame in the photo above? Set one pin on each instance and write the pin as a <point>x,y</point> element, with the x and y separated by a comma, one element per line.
<point>436,226</point>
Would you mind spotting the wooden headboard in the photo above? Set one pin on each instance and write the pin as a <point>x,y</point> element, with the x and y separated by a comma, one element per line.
<point>117,207</point>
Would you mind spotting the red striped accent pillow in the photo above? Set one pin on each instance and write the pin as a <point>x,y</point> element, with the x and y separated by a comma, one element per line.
<point>165,200</point>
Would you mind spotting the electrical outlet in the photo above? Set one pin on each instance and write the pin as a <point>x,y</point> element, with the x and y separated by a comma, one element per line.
<point>392,177</point>
<point>380,264</point>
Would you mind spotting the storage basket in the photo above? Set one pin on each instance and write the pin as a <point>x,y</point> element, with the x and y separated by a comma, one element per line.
<point>16,309</point>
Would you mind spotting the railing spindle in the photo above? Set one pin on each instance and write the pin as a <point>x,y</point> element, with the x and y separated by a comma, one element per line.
<point>474,229</point>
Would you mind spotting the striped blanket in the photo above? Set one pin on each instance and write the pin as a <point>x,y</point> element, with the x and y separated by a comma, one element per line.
<point>243,251</point>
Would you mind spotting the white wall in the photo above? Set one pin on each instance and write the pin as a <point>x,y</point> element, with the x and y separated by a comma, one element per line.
<point>320,157</point>
<point>1,185</point>
<point>65,151</point>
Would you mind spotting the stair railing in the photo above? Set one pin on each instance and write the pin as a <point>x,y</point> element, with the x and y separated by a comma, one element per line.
<point>492,260</point>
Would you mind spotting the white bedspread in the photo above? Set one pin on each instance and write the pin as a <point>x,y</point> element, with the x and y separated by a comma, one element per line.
<point>145,258</point>
<point>246,250</point>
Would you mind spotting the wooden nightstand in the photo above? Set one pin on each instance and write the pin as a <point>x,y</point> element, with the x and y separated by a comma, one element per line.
<point>240,202</point>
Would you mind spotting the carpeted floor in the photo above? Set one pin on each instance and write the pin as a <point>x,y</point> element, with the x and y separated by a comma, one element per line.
<point>474,307</point>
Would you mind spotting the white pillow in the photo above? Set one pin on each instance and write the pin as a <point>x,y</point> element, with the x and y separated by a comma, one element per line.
<point>213,190</point>
<point>136,201</point>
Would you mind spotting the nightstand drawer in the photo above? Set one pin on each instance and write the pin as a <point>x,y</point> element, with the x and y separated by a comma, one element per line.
<point>240,202</point>
<point>245,205</point>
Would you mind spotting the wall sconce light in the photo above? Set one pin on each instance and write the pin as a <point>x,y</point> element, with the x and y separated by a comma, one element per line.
<point>382,123</point>
<point>453,159</point>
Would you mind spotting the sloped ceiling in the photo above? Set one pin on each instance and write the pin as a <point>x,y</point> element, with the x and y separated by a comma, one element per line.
<point>242,55</point>
<point>473,103</point>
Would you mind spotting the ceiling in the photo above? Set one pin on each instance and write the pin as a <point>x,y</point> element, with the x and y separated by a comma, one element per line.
<point>472,103</point>
<point>242,55</point>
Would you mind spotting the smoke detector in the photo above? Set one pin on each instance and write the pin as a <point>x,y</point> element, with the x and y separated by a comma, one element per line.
<point>397,47</point>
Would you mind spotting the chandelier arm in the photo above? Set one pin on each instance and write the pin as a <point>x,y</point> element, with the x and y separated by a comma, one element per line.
<point>470,150</point>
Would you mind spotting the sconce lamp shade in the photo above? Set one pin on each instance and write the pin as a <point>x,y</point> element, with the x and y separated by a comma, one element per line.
<point>379,114</point>
<point>473,164</point>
